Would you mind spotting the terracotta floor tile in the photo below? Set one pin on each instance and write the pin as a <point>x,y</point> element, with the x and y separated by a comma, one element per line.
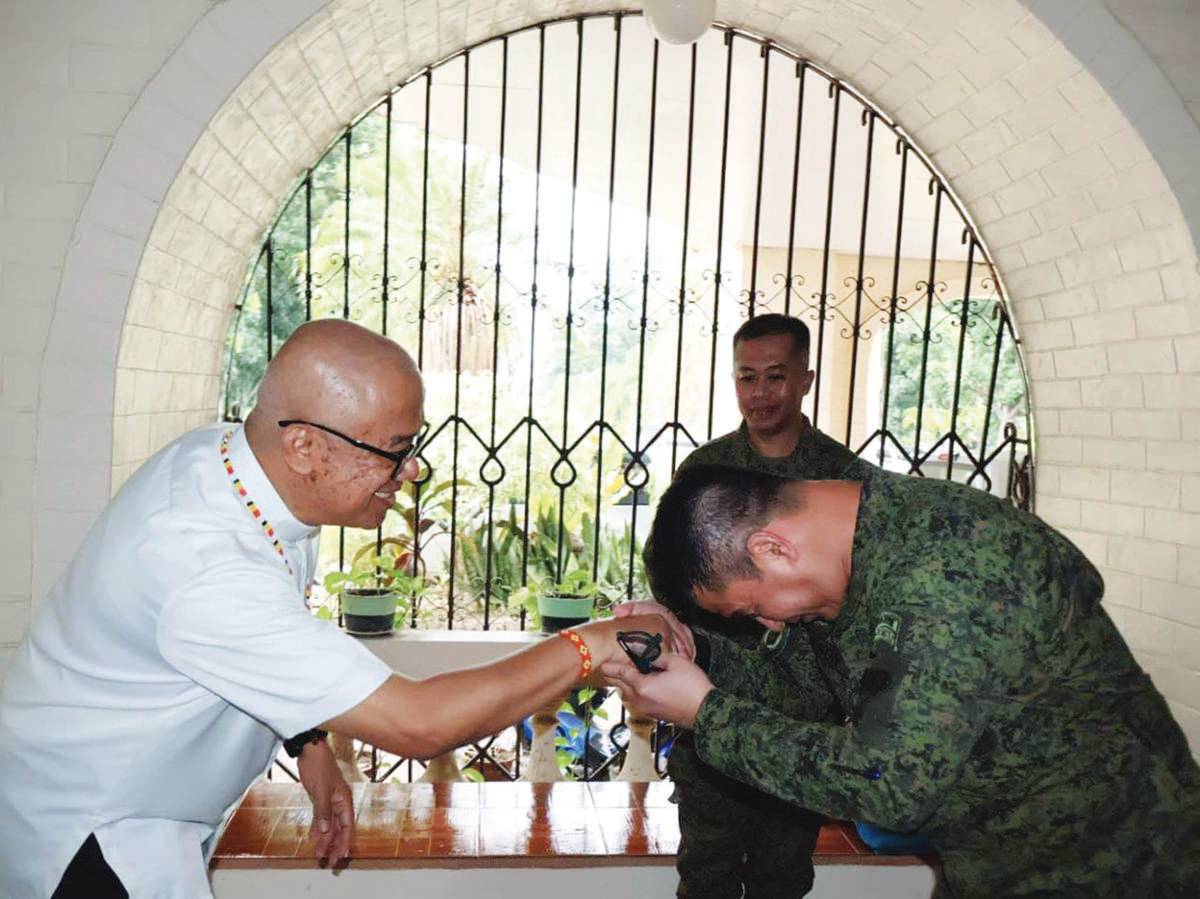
<point>613,794</point>
<point>276,795</point>
<point>289,837</point>
<point>413,845</point>
<point>442,818</point>
<point>563,820</point>
<point>456,795</point>
<point>450,831</point>
<point>832,841</point>
<point>248,832</point>
<point>658,794</point>
<point>459,841</point>
<point>416,820</point>
<point>855,840</point>
<point>374,845</point>
<point>519,794</point>
<point>662,828</point>
<point>542,831</point>
<point>503,832</point>
<point>387,795</point>
<point>624,831</point>
<point>378,829</point>
<point>421,796</point>
<point>512,794</point>
<point>586,840</point>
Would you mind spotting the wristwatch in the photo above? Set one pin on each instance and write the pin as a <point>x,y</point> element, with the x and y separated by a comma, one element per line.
<point>295,745</point>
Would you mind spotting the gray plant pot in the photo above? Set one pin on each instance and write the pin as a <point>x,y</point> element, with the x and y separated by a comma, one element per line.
<point>369,612</point>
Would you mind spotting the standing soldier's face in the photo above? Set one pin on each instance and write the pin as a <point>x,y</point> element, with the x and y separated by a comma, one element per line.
<point>771,379</point>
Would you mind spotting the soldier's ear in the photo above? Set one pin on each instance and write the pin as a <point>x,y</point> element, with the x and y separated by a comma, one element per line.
<point>770,551</point>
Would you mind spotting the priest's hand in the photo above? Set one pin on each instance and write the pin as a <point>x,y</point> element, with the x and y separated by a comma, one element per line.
<point>333,806</point>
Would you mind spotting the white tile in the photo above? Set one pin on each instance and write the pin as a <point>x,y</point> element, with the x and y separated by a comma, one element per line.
<point>1173,601</point>
<point>1084,483</point>
<point>1114,453</point>
<point>1104,327</point>
<point>1148,424</point>
<point>1149,558</point>
<point>1146,356</point>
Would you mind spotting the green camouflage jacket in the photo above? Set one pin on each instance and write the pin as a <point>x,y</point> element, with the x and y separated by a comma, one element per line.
<point>817,457</point>
<point>989,703</point>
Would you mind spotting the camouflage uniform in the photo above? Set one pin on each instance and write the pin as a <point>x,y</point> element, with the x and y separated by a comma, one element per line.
<point>990,704</point>
<point>732,835</point>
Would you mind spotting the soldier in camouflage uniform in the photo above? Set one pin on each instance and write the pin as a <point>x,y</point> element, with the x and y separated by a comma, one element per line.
<point>989,703</point>
<point>733,836</point>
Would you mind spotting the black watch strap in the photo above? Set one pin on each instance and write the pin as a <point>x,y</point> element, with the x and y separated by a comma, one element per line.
<point>295,745</point>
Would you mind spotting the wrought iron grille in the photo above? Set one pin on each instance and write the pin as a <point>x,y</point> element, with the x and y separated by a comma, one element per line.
<point>565,225</point>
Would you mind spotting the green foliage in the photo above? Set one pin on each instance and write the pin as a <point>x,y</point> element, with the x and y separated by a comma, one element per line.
<point>421,516</point>
<point>525,566</point>
<point>941,363</point>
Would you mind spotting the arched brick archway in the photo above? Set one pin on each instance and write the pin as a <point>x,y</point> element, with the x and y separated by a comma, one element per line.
<point>1069,155</point>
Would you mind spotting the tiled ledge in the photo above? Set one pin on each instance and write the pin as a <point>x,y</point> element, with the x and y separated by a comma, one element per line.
<point>490,825</point>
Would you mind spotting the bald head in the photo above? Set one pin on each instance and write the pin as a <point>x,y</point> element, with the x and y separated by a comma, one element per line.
<point>333,374</point>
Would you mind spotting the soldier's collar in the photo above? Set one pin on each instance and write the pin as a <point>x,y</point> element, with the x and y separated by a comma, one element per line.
<point>863,556</point>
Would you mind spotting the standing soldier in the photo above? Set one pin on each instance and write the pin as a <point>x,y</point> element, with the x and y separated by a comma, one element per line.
<point>733,836</point>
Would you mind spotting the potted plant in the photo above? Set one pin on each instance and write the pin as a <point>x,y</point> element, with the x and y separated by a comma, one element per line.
<point>372,594</point>
<point>552,606</point>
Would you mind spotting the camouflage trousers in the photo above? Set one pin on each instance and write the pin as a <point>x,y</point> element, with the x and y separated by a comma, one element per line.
<point>733,837</point>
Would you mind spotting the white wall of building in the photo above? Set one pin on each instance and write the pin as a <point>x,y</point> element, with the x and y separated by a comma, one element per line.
<point>145,147</point>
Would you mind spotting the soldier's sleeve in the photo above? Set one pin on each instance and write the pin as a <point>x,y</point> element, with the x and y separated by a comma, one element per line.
<point>788,683</point>
<point>906,745</point>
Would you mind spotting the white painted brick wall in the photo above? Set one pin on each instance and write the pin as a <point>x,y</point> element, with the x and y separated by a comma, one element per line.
<point>71,71</point>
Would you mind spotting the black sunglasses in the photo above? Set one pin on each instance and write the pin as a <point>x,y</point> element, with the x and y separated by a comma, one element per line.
<point>401,459</point>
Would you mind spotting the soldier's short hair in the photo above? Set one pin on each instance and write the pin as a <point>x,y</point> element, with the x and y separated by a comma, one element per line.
<point>771,324</point>
<point>698,538</point>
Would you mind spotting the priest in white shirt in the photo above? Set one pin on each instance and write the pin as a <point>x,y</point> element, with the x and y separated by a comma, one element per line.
<point>176,652</point>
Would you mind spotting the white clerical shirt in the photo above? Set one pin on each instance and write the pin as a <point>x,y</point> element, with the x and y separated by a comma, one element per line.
<point>160,674</point>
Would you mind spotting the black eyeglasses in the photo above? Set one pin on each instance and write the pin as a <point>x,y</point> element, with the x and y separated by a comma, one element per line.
<point>401,459</point>
<point>642,647</point>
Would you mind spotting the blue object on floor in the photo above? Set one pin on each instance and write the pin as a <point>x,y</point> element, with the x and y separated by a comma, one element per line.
<point>888,842</point>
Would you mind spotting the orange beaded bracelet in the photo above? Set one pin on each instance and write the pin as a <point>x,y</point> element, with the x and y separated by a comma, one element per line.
<point>585,654</point>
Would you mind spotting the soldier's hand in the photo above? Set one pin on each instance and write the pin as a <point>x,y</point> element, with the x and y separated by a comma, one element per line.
<point>673,694</point>
<point>682,639</point>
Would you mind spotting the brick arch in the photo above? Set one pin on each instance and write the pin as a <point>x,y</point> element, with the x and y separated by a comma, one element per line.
<point>1071,157</point>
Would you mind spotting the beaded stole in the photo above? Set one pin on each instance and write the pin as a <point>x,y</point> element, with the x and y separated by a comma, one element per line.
<point>256,512</point>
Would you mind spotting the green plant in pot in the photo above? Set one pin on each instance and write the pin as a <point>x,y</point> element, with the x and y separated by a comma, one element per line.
<point>552,606</point>
<point>373,594</point>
